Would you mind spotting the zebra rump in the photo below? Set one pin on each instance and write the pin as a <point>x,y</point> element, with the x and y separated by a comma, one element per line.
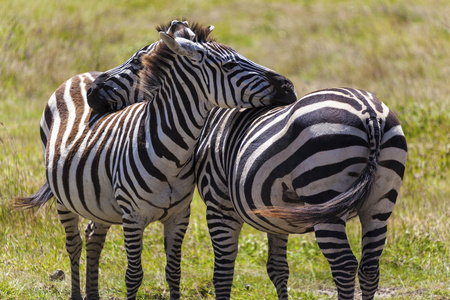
<point>307,216</point>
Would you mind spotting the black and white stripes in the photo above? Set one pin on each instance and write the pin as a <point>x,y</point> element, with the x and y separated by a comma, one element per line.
<point>135,166</point>
<point>327,151</point>
<point>307,166</point>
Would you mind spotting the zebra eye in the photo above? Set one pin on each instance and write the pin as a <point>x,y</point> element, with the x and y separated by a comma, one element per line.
<point>230,65</point>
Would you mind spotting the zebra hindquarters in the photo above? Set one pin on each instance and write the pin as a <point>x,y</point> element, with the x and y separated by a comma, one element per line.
<point>373,214</point>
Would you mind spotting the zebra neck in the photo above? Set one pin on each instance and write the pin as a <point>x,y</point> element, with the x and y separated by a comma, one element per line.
<point>173,127</point>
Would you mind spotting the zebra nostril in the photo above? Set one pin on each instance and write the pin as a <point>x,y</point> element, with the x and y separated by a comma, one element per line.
<point>288,86</point>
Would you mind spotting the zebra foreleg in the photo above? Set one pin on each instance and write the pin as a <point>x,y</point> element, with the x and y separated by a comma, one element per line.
<point>133,233</point>
<point>74,245</point>
<point>277,265</point>
<point>95,239</point>
<point>224,228</point>
<point>333,243</point>
<point>174,231</point>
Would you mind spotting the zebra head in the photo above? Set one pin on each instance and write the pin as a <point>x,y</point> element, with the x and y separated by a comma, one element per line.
<point>231,79</point>
<point>118,87</point>
<point>213,71</point>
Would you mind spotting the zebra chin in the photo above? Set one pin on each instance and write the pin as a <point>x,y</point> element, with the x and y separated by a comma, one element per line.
<point>283,95</point>
<point>279,99</point>
<point>285,99</point>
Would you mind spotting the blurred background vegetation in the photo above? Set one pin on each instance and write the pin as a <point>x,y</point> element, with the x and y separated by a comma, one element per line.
<point>399,50</point>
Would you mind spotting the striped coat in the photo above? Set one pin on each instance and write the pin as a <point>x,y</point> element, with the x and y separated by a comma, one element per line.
<point>337,150</point>
<point>307,166</point>
<point>135,166</point>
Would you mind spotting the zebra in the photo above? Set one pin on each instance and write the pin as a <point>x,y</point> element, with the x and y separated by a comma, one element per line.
<point>135,166</point>
<point>309,166</point>
<point>227,130</point>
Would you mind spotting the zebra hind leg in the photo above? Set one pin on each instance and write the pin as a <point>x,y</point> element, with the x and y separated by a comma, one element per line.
<point>74,245</point>
<point>95,239</point>
<point>373,242</point>
<point>174,231</point>
<point>277,265</point>
<point>333,243</point>
<point>374,231</point>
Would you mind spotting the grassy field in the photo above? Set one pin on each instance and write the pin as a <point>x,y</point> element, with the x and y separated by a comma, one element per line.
<point>399,50</point>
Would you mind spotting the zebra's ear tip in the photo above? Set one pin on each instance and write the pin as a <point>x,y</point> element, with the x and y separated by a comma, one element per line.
<point>211,28</point>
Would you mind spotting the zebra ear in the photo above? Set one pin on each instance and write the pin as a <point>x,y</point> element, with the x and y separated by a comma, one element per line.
<point>181,46</point>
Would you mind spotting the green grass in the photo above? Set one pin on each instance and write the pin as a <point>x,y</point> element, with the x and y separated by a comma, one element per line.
<point>398,49</point>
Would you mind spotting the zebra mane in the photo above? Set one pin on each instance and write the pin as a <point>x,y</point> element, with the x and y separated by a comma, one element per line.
<point>156,62</point>
<point>181,30</point>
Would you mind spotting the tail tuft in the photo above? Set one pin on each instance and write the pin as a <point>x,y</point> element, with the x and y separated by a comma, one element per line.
<point>39,199</point>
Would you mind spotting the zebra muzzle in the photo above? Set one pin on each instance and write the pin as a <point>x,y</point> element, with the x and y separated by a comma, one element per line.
<point>284,90</point>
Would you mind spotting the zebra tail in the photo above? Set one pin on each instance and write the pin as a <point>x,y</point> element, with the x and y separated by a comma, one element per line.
<point>347,202</point>
<point>39,199</point>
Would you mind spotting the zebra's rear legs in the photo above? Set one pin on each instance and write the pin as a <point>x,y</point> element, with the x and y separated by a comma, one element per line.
<point>373,240</point>
<point>74,245</point>
<point>333,243</point>
<point>374,217</point>
<point>95,240</point>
